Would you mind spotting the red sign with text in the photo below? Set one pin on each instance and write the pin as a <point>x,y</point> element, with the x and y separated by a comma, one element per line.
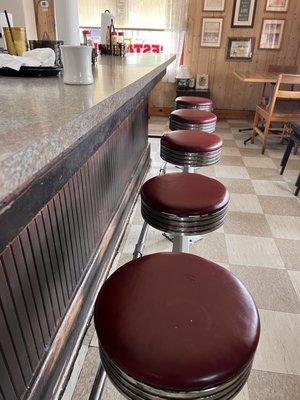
<point>145,48</point>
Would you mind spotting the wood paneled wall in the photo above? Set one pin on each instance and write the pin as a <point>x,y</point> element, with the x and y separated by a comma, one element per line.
<point>226,91</point>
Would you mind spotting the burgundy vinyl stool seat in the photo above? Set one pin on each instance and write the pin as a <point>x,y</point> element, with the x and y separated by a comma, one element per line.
<point>193,120</point>
<point>199,103</point>
<point>192,148</point>
<point>176,326</point>
<point>184,205</point>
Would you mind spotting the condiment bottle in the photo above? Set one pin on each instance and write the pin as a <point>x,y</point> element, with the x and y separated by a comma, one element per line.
<point>114,38</point>
<point>121,37</point>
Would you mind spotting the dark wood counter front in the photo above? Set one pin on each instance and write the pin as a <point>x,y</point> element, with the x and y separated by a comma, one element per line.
<point>58,235</point>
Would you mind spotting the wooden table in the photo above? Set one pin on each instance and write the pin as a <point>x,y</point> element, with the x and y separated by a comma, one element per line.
<point>257,77</point>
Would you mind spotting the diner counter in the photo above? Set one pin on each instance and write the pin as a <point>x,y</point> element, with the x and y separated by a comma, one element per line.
<point>72,160</point>
<point>40,118</point>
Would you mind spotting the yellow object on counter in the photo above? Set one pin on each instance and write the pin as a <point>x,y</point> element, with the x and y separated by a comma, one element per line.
<point>17,46</point>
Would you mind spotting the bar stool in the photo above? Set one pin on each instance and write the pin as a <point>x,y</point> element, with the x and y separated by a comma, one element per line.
<point>193,120</point>
<point>190,149</point>
<point>183,205</point>
<point>176,326</point>
<point>198,103</point>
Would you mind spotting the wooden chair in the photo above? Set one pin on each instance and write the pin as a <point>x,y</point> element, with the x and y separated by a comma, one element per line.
<point>283,107</point>
<point>279,69</point>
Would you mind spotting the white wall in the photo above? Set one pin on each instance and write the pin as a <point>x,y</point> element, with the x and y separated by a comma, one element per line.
<point>23,14</point>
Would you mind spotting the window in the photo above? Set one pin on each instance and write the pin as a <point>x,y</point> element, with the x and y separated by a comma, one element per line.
<point>137,14</point>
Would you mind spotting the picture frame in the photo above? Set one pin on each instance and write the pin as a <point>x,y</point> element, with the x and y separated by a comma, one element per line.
<point>271,34</point>
<point>202,82</point>
<point>277,5</point>
<point>243,13</point>
<point>211,32</point>
<point>214,5</point>
<point>240,48</point>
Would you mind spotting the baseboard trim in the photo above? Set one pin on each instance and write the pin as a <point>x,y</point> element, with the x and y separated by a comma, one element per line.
<point>221,114</point>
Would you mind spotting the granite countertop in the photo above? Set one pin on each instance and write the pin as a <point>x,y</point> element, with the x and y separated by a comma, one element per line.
<point>40,118</point>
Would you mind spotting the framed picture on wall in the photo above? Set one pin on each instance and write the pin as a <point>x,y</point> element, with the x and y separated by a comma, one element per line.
<point>240,49</point>
<point>211,32</point>
<point>277,5</point>
<point>214,5</point>
<point>243,13</point>
<point>202,82</point>
<point>271,34</point>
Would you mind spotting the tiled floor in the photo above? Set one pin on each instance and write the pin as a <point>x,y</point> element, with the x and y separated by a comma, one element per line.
<point>259,243</point>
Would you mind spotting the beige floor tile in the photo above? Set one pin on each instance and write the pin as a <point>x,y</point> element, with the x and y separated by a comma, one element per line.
<point>242,223</point>
<point>222,124</point>
<point>89,333</point>
<point>279,153</point>
<point>240,123</point>
<point>244,203</point>
<point>94,341</point>
<point>87,375</point>
<point>293,164</point>
<point>156,242</point>
<point>136,217</point>
<point>111,393</point>
<point>241,145</point>
<point>250,152</point>
<point>224,171</point>
<point>295,278</point>
<point>260,162</point>
<point>284,227</point>
<point>207,171</point>
<point>252,251</point>
<point>231,151</point>
<point>271,386</point>
<point>274,188</point>
<point>225,134</point>
<point>242,186</point>
<point>243,394</point>
<point>290,176</point>
<point>212,247</point>
<point>69,390</point>
<point>266,174</point>
<point>290,253</point>
<point>229,143</point>
<point>231,160</point>
<point>279,345</point>
<point>271,289</point>
<point>277,206</point>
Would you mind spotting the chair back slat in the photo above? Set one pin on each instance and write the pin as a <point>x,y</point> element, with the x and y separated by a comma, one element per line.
<point>288,94</point>
<point>291,79</point>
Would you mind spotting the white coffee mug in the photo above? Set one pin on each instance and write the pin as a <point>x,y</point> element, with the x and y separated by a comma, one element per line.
<point>77,62</point>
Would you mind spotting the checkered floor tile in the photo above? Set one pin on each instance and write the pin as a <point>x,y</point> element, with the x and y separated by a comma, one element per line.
<point>259,243</point>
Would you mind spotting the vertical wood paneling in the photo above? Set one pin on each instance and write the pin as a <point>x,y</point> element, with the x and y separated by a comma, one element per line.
<point>42,268</point>
<point>226,91</point>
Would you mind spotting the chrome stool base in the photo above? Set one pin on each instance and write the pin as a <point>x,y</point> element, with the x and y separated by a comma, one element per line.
<point>194,107</point>
<point>184,158</point>
<point>209,127</point>
<point>133,389</point>
<point>193,225</point>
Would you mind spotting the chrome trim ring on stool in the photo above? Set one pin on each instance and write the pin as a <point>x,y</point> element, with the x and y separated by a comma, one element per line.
<point>190,119</point>
<point>183,205</point>
<point>156,347</point>
<point>191,102</point>
<point>195,149</point>
<point>134,389</point>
